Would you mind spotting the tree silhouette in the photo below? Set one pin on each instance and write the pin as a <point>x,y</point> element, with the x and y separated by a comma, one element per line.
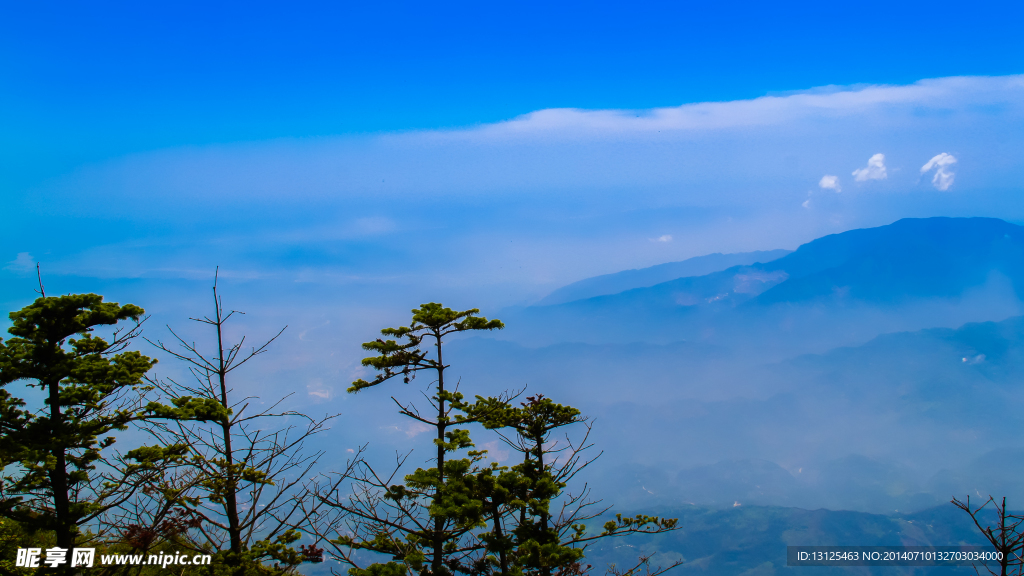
<point>541,540</point>
<point>1006,536</point>
<point>242,482</point>
<point>426,522</point>
<point>92,387</point>
<point>464,515</point>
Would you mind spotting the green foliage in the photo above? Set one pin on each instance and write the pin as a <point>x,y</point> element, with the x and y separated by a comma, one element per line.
<point>92,388</point>
<point>58,483</point>
<point>12,537</point>
<point>427,523</point>
<point>223,482</point>
<point>387,569</point>
<point>279,550</point>
<point>406,359</point>
<point>189,408</point>
<point>638,523</point>
<point>228,467</point>
<point>155,457</point>
<point>464,515</point>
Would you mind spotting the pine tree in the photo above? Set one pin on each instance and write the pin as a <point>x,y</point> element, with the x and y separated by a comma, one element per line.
<point>91,388</point>
<point>463,515</point>
<point>545,529</point>
<point>425,524</point>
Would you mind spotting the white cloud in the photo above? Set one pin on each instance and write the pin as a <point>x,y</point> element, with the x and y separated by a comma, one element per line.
<point>22,263</point>
<point>663,238</point>
<point>829,182</point>
<point>416,428</point>
<point>940,160</point>
<point>497,450</point>
<point>316,389</point>
<point>875,170</point>
<point>469,191</point>
<point>763,111</point>
<point>943,177</point>
<point>806,203</point>
<point>566,149</point>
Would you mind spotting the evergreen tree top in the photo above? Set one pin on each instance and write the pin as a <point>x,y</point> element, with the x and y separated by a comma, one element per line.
<point>54,318</point>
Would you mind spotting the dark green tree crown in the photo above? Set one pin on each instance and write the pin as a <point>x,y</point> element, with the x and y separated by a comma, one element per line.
<point>41,329</point>
<point>429,320</point>
<point>91,385</point>
<point>55,318</point>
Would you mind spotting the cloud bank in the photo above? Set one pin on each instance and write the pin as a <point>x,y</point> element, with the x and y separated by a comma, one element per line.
<point>828,102</point>
<point>706,148</point>
<point>542,199</point>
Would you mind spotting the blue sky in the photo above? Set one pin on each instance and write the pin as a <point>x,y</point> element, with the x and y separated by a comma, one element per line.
<point>84,82</point>
<point>344,162</point>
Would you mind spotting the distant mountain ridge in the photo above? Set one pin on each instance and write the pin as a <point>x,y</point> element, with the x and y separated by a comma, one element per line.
<point>644,277</point>
<point>873,370</point>
<point>911,257</point>
<point>752,540</point>
<point>912,274</point>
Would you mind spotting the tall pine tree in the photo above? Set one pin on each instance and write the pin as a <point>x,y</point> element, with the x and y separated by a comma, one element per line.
<point>464,515</point>
<point>425,524</point>
<point>90,389</point>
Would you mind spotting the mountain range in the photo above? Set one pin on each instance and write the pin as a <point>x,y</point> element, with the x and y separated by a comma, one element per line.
<point>874,370</point>
<point>839,290</point>
<point>752,540</point>
<point>644,277</point>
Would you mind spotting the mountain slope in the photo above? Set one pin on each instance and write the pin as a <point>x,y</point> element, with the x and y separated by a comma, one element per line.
<point>837,290</point>
<point>904,421</point>
<point>932,257</point>
<point>643,277</point>
<point>749,540</point>
<point>909,258</point>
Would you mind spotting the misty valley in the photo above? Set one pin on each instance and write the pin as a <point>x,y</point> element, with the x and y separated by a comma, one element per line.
<point>877,372</point>
<point>839,394</point>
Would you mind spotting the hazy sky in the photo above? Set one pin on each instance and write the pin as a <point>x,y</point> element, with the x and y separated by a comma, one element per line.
<point>344,162</point>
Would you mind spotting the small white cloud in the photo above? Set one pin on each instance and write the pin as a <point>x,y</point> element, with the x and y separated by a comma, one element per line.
<point>22,263</point>
<point>317,389</point>
<point>664,238</point>
<point>940,161</point>
<point>807,203</point>
<point>875,170</point>
<point>829,182</point>
<point>416,428</point>
<point>497,450</point>
<point>943,177</point>
<point>975,360</point>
